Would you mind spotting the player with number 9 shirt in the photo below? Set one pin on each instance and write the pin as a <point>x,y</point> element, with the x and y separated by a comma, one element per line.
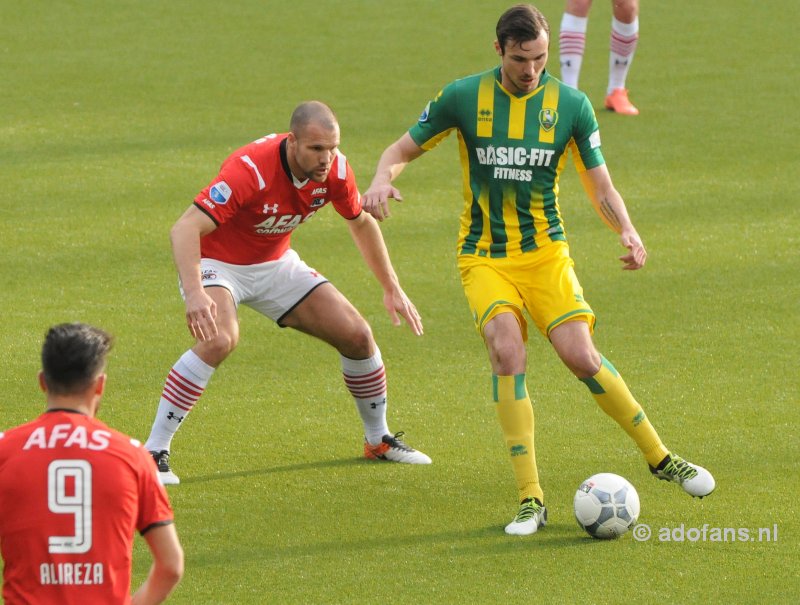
<point>73,491</point>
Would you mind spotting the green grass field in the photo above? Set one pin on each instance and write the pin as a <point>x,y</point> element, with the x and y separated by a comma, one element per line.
<point>114,115</point>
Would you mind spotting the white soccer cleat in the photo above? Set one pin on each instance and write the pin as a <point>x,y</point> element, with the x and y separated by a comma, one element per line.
<point>165,474</point>
<point>393,449</point>
<point>531,517</point>
<point>695,480</point>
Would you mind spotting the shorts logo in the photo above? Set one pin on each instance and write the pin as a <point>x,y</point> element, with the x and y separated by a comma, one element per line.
<point>208,274</point>
<point>548,118</point>
<point>220,193</point>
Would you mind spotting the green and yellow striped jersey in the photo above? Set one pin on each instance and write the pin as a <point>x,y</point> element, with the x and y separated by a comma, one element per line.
<point>513,149</point>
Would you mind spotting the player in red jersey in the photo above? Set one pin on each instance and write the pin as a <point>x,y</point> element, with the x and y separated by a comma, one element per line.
<point>232,247</point>
<point>73,491</point>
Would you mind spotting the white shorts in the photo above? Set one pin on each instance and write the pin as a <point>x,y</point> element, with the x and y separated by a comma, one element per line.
<point>273,288</point>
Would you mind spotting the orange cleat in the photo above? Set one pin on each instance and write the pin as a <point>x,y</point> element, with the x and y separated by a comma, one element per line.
<point>618,102</point>
<point>393,449</point>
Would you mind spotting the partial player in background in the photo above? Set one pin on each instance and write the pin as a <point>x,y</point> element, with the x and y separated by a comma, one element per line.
<point>516,124</point>
<point>73,491</point>
<point>231,247</point>
<point>624,37</point>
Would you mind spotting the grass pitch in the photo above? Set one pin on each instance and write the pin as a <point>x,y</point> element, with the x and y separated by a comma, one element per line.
<point>116,114</point>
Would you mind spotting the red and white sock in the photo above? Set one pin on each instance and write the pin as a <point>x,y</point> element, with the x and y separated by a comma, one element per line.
<point>366,381</point>
<point>624,38</point>
<point>571,44</point>
<point>185,383</point>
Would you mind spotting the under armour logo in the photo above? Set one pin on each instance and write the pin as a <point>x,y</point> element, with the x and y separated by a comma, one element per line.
<point>270,209</point>
<point>375,404</point>
<point>618,62</point>
<point>566,63</point>
<point>173,416</point>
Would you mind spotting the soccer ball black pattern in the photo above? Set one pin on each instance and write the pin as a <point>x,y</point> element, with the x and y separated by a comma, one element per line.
<point>606,505</point>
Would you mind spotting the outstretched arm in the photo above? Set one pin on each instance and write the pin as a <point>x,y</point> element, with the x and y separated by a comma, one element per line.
<point>393,159</point>
<point>610,206</point>
<point>368,238</point>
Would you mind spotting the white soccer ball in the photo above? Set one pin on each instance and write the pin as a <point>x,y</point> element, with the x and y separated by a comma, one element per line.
<point>606,505</point>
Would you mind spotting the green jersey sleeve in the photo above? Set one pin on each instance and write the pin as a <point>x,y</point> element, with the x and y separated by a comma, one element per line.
<point>587,138</point>
<point>438,118</point>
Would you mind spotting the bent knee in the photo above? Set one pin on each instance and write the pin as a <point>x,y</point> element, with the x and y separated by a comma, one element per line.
<point>579,8</point>
<point>626,11</point>
<point>584,363</point>
<point>358,343</point>
<point>214,351</point>
<point>507,358</point>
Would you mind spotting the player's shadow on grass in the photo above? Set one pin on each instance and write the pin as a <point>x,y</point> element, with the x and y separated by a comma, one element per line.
<point>478,541</point>
<point>226,475</point>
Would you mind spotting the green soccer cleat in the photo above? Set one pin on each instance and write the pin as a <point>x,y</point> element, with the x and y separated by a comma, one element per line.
<point>531,516</point>
<point>695,480</point>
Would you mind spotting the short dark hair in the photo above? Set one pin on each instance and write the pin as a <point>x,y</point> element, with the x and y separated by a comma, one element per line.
<point>312,111</point>
<point>520,23</point>
<point>73,355</point>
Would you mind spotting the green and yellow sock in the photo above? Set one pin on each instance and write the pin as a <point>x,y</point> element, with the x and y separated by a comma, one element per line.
<point>515,412</point>
<point>614,398</point>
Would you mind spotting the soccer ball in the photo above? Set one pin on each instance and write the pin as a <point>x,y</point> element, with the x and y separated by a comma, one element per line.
<point>606,505</point>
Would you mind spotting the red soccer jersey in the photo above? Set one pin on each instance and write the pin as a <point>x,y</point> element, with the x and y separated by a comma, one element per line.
<point>72,493</point>
<point>256,203</point>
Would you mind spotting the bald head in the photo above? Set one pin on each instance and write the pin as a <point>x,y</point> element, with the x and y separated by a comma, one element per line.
<point>312,112</point>
<point>312,142</point>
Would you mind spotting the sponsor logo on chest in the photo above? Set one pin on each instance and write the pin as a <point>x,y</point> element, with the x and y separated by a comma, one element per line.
<point>517,157</point>
<point>513,163</point>
<point>283,223</point>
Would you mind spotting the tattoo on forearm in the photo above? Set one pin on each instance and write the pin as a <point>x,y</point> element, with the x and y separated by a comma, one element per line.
<point>608,213</point>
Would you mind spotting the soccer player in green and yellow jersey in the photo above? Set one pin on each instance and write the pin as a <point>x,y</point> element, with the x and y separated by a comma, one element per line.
<point>515,125</point>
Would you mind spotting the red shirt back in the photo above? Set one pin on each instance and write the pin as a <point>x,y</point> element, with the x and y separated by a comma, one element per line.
<point>256,204</point>
<point>72,493</point>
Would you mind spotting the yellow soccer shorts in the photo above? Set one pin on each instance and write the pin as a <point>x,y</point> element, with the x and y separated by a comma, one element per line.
<point>542,282</point>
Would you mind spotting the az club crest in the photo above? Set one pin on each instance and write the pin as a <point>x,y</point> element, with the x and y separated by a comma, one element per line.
<point>548,118</point>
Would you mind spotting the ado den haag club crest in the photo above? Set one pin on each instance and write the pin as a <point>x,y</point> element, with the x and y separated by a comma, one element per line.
<point>548,119</point>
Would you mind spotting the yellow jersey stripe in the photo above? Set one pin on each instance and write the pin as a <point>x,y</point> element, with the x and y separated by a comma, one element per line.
<point>434,141</point>
<point>549,104</point>
<point>511,218</point>
<point>485,115</point>
<point>516,117</point>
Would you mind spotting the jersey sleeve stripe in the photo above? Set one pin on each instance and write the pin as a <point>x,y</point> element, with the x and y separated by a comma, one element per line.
<point>341,171</point>
<point>246,159</point>
<point>207,213</point>
<point>156,524</point>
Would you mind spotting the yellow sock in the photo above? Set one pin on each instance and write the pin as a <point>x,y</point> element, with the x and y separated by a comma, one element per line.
<point>515,413</point>
<point>614,398</point>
